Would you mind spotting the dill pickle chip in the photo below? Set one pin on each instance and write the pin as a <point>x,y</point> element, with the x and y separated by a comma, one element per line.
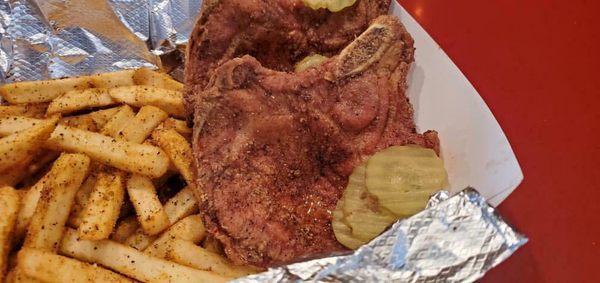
<point>342,231</point>
<point>309,62</point>
<point>315,4</point>
<point>331,5</point>
<point>404,177</point>
<point>361,211</point>
<point>338,5</point>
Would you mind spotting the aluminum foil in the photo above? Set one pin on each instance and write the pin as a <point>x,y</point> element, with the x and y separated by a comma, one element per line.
<point>453,240</point>
<point>45,39</point>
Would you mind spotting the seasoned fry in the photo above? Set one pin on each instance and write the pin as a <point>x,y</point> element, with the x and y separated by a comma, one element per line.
<point>30,166</point>
<point>112,79</point>
<point>178,150</point>
<point>14,124</point>
<point>168,100</point>
<point>16,275</point>
<point>81,200</point>
<point>136,158</point>
<point>76,100</point>
<point>189,229</point>
<point>178,125</point>
<point>131,262</point>
<point>11,177</point>
<point>9,207</point>
<point>21,146</point>
<point>148,77</point>
<point>181,205</point>
<point>49,267</point>
<point>82,122</point>
<point>27,170</point>
<point>139,240</point>
<point>150,212</point>
<point>118,121</point>
<point>52,211</point>
<point>38,166</point>
<point>125,228</point>
<point>40,91</point>
<point>213,245</point>
<point>37,110</point>
<point>29,204</point>
<point>101,117</point>
<point>142,125</point>
<point>102,209</point>
<point>45,91</point>
<point>188,254</point>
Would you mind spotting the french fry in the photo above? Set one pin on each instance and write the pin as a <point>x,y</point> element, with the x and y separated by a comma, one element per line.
<point>45,91</point>
<point>148,77</point>
<point>189,254</point>
<point>11,177</point>
<point>136,158</point>
<point>181,205</point>
<point>21,146</point>
<point>93,121</point>
<point>49,267</point>
<point>14,124</point>
<point>19,171</point>
<point>169,101</point>
<point>125,228</point>
<point>16,275</point>
<point>57,196</point>
<point>101,117</point>
<point>77,100</point>
<point>40,91</point>
<point>139,240</point>
<point>38,166</point>
<point>118,121</point>
<point>29,204</point>
<point>213,245</point>
<point>179,151</point>
<point>112,79</point>
<point>150,213</point>
<point>9,207</point>
<point>37,110</point>
<point>81,200</point>
<point>82,122</point>
<point>189,229</point>
<point>103,206</point>
<point>131,262</point>
<point>178,125</point>
<point>142,125</point>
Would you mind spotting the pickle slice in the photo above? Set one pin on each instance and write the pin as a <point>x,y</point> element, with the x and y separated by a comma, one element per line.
<point>342,231</point>
<point>309,62</point>
<point>404,177</point>
<point>361,211</point>
<point>331,5</point>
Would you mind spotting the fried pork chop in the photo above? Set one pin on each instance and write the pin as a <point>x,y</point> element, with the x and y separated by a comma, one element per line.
<point>276,32</point>
<point>274,150</point>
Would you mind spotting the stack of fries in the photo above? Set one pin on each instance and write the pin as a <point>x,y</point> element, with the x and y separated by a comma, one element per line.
<point>76,155</point>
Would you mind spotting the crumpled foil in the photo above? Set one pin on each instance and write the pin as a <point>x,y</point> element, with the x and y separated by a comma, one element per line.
<point>45,39</point>
<point>453,240</point>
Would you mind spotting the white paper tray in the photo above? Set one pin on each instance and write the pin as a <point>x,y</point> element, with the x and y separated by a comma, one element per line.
<point>475,150</point>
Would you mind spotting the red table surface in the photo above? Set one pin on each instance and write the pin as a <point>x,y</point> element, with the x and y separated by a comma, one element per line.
<point>537,65</point>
